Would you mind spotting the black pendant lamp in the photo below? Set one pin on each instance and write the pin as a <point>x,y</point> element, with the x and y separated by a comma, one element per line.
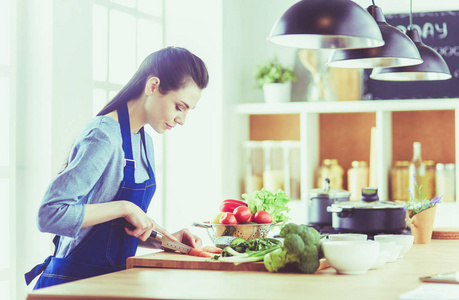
<point>398,50</point>
<point>433,67</point>
<point>326,24</point>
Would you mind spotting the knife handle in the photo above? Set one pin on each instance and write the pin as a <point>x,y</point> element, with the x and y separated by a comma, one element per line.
<point>128,225</point>
<point>153,234</point>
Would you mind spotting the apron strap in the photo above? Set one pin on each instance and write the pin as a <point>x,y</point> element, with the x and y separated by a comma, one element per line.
<point>38,269</point>
<point>150,170</point>
<point>129,163</point>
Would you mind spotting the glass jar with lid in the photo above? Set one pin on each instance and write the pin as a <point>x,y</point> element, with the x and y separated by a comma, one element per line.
<point>357,179</point>
<point>333,171</point>
<point>446,182</point>
<point>428,184</point>
<point>400,180</point>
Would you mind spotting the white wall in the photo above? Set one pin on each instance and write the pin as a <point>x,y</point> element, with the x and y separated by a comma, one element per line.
<point>193,152</point>
<point>202,157</point>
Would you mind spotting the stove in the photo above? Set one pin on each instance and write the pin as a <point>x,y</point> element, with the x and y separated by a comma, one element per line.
<point>331,230</point>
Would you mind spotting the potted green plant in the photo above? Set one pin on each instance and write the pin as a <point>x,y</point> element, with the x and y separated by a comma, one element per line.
<point>421,214</point>
<point>275,80</point>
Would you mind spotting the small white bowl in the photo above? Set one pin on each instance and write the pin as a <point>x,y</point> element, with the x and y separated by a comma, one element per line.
<point>351,257</point>
<point>386,251</point>
<point>348,237</point>
<point>406,241</point>
<point>395,254</point>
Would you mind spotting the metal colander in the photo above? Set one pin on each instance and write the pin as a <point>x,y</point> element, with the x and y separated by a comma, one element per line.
<point>246,231</point>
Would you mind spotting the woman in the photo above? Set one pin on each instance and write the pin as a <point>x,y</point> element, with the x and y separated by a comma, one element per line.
<point>109,179</point>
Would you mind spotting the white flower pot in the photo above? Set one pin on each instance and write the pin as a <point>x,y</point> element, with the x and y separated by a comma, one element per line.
<point>277,92</point>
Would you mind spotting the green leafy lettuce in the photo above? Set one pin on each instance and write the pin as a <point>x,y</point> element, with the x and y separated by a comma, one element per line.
<point>276,204</point>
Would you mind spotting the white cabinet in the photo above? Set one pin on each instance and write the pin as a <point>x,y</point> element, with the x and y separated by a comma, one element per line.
<point>309,112</point>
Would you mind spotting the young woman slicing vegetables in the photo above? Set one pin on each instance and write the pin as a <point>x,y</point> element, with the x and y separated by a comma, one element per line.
<point>109,178</point>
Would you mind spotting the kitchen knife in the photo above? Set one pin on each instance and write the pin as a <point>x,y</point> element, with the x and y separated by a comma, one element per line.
<point>165,241</point>
<point>170,244</point>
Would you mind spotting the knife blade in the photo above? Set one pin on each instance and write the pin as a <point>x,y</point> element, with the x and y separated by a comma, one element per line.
<point>165,241</point>
<point>170,244</point>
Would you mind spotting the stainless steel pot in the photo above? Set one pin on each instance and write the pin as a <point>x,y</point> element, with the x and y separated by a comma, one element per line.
<point>369,216</point>
<point>319,200</point>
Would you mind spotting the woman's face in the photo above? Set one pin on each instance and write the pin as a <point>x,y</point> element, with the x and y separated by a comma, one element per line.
<point>163,112</point>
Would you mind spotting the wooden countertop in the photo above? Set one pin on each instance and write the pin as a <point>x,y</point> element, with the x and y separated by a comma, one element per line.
<point>388,282</point>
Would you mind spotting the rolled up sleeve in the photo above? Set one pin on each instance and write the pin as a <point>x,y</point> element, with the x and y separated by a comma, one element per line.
<point>63,206</point>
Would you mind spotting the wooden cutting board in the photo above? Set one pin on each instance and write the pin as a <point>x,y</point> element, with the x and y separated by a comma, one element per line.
<point>173,260</point>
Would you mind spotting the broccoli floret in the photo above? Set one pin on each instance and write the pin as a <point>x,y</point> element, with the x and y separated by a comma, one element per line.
<point>302,250</point>
<point>289,228</point>
<point>294,243</point>
<point>311,258</point>
<point>309,234</point>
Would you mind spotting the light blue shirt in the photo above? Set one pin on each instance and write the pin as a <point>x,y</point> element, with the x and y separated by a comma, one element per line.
<point>93,175</point>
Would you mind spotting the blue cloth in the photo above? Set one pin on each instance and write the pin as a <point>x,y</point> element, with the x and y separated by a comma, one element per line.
<point>93,175</point>
<point>107,246</point>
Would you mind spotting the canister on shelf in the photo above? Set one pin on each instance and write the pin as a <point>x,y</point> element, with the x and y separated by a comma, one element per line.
<point>446,182</point>
<point>428,185</point>
<point>417,170</point>
<point>273,173</point>
<point>254,166</point>
<point>357,178</point>
<point>423,172</point>
<point>400,180</point>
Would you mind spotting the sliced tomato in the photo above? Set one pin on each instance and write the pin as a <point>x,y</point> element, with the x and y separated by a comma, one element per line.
<point>228,218</point>
<point>262,217</point>
<point>243,214</point>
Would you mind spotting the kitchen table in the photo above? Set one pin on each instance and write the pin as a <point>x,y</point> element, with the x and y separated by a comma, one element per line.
<point>387,282</point>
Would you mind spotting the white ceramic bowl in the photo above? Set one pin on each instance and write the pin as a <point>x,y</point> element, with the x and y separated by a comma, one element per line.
<point>386,251</point>
<point>406,241</point>
<point>395,254</point>
<point>351,257</point>
<point>348,237</point>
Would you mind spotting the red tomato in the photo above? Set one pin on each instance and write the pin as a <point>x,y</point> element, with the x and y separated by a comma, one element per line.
<point>228,207</point>
<point>262,217</point>
<point>243,214</point>
<point>228,218</point>
<point>238,202</point>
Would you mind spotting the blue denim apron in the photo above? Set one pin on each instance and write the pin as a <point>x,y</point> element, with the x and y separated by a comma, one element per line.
<point>107,246</point>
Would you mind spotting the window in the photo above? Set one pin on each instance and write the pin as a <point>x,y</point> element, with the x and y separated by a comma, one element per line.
<point>124,33</point>
<point>7,150</point>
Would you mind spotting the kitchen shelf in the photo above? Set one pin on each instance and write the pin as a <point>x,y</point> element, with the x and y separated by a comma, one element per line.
<point>309,113</point>
<point>347,106</point>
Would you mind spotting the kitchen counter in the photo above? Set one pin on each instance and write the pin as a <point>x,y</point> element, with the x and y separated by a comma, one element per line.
<point>387,282</point>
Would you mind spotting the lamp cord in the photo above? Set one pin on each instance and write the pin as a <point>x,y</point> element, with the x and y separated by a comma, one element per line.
<point>411,15</point>
<point>373,2</point>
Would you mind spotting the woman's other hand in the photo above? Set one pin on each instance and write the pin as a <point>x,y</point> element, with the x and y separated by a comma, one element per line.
<point>186,237</point>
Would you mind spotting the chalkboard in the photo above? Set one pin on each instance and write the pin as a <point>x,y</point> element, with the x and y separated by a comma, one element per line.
<point>439,30</point>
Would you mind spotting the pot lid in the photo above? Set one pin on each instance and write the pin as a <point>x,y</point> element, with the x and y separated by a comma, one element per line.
<point>326,192</point>
<point>332,193</point>
<point>368,205</point>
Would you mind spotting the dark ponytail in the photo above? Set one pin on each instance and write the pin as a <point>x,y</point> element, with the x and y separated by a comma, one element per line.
<point>173,66</point>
